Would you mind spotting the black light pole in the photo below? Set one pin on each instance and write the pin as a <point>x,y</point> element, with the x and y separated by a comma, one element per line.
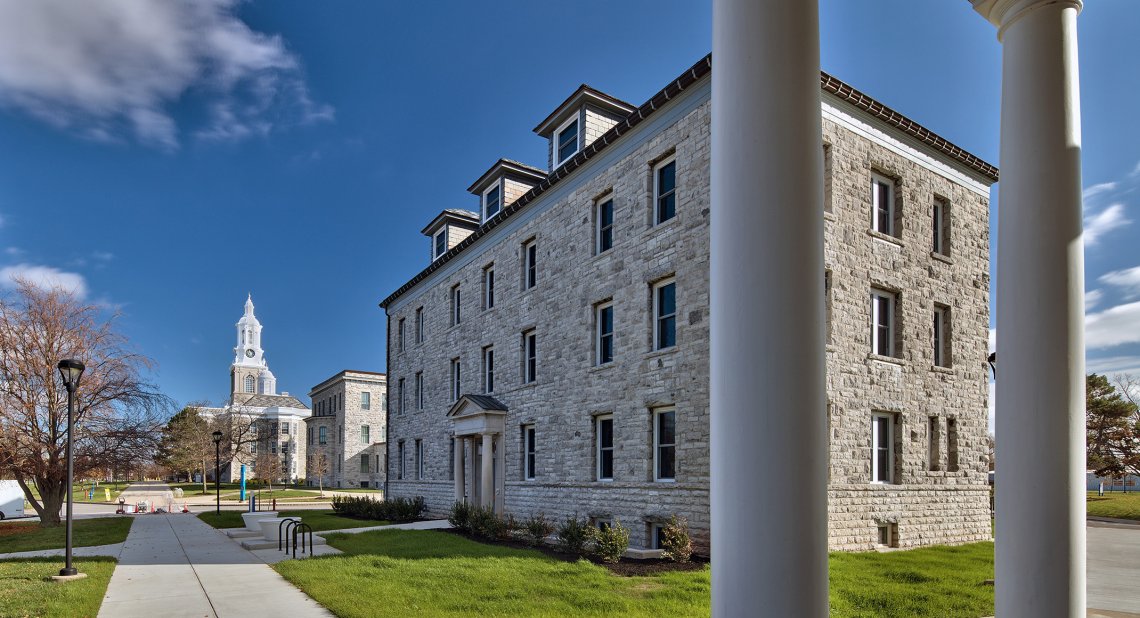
<point>218,470</point>
<point>71,370</point>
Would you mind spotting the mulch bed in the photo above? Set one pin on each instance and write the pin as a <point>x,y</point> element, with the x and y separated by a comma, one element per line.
<point>626,567</point>
<point>17,529</point>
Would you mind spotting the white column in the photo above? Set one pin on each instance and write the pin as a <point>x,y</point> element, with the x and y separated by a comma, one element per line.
<point>487,489</point>
<point>470,480</point>
<point>460,484</point>
<point>768,401</point>
<point>1040,555</point>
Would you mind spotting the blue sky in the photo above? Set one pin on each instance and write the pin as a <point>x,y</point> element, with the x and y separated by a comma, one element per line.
<point>165,159</point>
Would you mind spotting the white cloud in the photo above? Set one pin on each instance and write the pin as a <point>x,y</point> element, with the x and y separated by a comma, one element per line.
<point>1103,222</point>
<point>103,256</point>
<point>1112,327</point>
<point>1092,297</point>
<point>1097,189</point>
<point>1112,365</point>
<point>111,69</point>
<point>44,277</point>
<point>14,251</point>
<point>1136,170</point>
<point>993,339</point>
<point>993,404</point>
<point>1128,279</point>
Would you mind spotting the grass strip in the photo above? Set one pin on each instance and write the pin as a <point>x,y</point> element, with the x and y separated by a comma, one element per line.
<point>27,591</point>
<point>28,535</point>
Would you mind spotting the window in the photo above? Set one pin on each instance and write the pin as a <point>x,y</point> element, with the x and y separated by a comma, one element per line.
<point>419,324</point>
<point>530,264</point>
<point>883,323</point>
<point>400,460</point>
<point>455,379</point>
<point>888,534</point>
<point>489,369</point>
<point>664,315</point>
<point>605,333</point>
<point>419,460</point>
<point>492,201</point>
<point>364,461</point>
<point>419,386</point>
<point>439,243</point>
<point>489,287</point>
<point>566,141</point>
<point>827,302</point>
<point>249,384</point>
<point>528,452</point>
<point>604,429</point>
<point>882,448</point>
<point>941,227</point>
<point>340,430</point>
<point>365,400</point>
<point>827,207</point>
<point>400,334</point>
<point>284,429</point>
<point>322,435</point>
<point>952,444</point>
<point>456,317</point>
<point>365,435</point>
<point>941,336</point>
<point>400,401</point>
<point>530,356</point>
<point>656,536</point>
<point>664,444</point>
<point>604,224</point>
<point>253,448</point>
<point>883,204</point>
<point>664,191</point>
<point>934,444</point>
<point>310,432</point>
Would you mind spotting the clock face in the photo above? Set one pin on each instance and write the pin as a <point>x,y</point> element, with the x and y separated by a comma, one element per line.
<point>249,353</point>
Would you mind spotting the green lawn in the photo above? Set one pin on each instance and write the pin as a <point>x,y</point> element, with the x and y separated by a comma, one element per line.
<point>26,591</point>
<point>440,574</point>
<point>80,491</point>
<point>356,490</point>
<point>1115,504</point>
<point>277,494</point>
<point>28,535</point>
<point>318,519</point>
<point>227,519</point>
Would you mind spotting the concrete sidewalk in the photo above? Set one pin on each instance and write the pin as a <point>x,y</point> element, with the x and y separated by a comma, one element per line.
<point>177,566</point>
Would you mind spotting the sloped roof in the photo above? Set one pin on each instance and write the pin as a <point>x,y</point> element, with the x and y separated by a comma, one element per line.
<point>269,401</point>
<point>483,402</point>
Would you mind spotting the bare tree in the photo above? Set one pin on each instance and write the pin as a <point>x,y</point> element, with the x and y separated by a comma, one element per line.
<point>321,468</point>
<point>268,466</point>
<point>115,405</point>
<point>188,443</point>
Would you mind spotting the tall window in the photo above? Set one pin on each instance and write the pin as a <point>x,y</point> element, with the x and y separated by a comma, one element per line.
<point>489,287</point>
<point>664,315</point>
<point>941,336</point>
<point>492,202</point>
<point>604,226</point>
<point>365,400</point>
<point>455,379</point>
<point>604,431</point>
<point>419,324</point>
<point>604,349</point>
<point>529,452</point>
<point>664,444</point>
<point>952,444</point>
<point>400,395</point>
<point>323,435</point>
<point>530,356</point>
<point>400,334</point>
<point>249,384</point>
<point>365,435</point>
<point>883,322</point>
<point>530,264</point>
<point>456,299</point>
<point>420,460</point>
<point>934,444</point>
<point>827,301</point>
<point>439,243</point>
<point>566,141</point>
<point>489,369</point>
<point>882,448</point>
<point>664,191</point>
<point>400,460</point>
<point>419,386</point>
<point>883,204</point>
<point>941,227</point>
<point>364,463</point>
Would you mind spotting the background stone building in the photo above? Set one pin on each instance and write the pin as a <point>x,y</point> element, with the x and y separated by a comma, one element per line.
<point>345,434</point>
<point>554,355</point>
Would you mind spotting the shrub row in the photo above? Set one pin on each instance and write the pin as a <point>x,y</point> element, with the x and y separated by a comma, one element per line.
<point>364,507</point>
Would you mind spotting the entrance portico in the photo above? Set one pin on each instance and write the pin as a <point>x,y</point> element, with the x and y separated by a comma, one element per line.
<point>478,422</point>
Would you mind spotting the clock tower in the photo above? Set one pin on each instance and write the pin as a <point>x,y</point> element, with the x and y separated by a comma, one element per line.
<point>249,373</point>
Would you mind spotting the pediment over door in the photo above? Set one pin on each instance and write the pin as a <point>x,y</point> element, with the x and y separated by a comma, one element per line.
<point>477,414</point>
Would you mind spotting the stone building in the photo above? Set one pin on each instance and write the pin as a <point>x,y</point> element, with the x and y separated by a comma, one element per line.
<point>345,434</point>
<point>554,355</point>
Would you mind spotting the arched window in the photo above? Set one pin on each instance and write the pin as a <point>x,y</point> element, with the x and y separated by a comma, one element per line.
<point>249,384</point>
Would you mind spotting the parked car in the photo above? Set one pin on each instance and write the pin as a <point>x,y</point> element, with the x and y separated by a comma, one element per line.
<point>11,500</point>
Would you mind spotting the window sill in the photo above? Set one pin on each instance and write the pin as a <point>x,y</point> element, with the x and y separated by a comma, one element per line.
<point>662,352</point>
<point>598,368</point>
<point>664,480</point>
<point>890,360</point>
<point>890,240</point>
<point>943,370</point>
<point>664,225</point>
<point>942,258</point>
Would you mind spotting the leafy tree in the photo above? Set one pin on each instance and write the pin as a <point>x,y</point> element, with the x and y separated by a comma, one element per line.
<point>188,443</point>
<point>1109,431</point>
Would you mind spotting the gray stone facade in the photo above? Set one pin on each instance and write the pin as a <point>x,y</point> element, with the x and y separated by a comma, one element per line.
<point>347,429</point>
<point>923,502</point>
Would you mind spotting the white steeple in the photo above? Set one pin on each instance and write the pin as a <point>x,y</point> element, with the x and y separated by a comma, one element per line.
<point>249,356</point>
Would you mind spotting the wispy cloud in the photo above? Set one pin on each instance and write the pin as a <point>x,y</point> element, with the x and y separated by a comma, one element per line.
<point>1103,222</point>
<point>44,277</point>
<point>13,251</point>
<point>1098,189</point>
<point>1112,327</point>
<point>1136,170</point>
<point>1093,298</point>
<point>111,70</point>
<point>102,256</point>
<point>1128,280</point>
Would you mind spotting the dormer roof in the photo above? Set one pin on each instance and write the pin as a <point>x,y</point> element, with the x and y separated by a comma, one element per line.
<point>454,216</point>
<point>583,95</point>
<point>507,167</point>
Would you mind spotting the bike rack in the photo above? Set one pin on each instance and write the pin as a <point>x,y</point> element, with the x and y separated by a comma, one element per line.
<point>285,523</point>
<point>302,528</point>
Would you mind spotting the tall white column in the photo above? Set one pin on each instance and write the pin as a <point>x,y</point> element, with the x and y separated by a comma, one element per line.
<point>768,401</point>
<point>487,489</point>
<point>1040,554</point>
<point>460,483</point>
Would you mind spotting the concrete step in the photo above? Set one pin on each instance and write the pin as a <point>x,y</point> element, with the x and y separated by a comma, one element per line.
<point>241,533</point>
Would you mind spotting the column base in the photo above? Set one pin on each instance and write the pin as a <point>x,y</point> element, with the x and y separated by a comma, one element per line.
<point>68,577</point>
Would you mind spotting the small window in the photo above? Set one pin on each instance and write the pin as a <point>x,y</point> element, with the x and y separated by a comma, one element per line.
<point>604,352</point>
<point>604,224</point>
<point>456,303</point>
<point>400,470</point>
<point>941,336</point>
<point>364,464</point>
<point>888,535</point>
<point>882,448</point>
<point>420,460</point>
<point>365,435</point>
<point>440,243</point>
<point>657,536</point>
<point>400,334</point>
<point>322,435</point>
<point>664,191</point>
<point>492,201</point>
<point>489,287</point>
<point>952,444</point>
<point>664,444</point>
<point>933,444</point>
<point>456,379</point>
<point>566,141</point>
<point>400,395</point>
<point>249,384</point>
<point>883,204</point>
<point>530,356</point>
<point>284,429</point>
<point>941,227</point>
<point>664,315</point>
<point>604,428</point>
<point>528,452</point>
<point>530,265</point>
<point>883,328</point>
<point>365,400</point>
<point>419,324</point>
<point>419,394</point>
<point>489,369</point>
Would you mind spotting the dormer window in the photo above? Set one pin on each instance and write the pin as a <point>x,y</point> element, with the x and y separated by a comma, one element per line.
<point>566,141</point>
<point>440,243</point>
<point>492,201</point>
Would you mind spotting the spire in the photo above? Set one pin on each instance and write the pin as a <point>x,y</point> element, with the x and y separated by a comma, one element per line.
<point>249,304</point>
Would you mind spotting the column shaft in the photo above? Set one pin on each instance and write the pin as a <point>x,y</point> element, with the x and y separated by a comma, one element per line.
<point>768,403</point>
<point>488,491</point>
<point>460,485</point>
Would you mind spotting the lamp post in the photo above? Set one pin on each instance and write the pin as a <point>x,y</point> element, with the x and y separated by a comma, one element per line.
<point>218,471</point>
<point>71,370</point>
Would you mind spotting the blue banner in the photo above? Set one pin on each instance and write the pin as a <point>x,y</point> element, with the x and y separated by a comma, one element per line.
<point>242,496</point>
